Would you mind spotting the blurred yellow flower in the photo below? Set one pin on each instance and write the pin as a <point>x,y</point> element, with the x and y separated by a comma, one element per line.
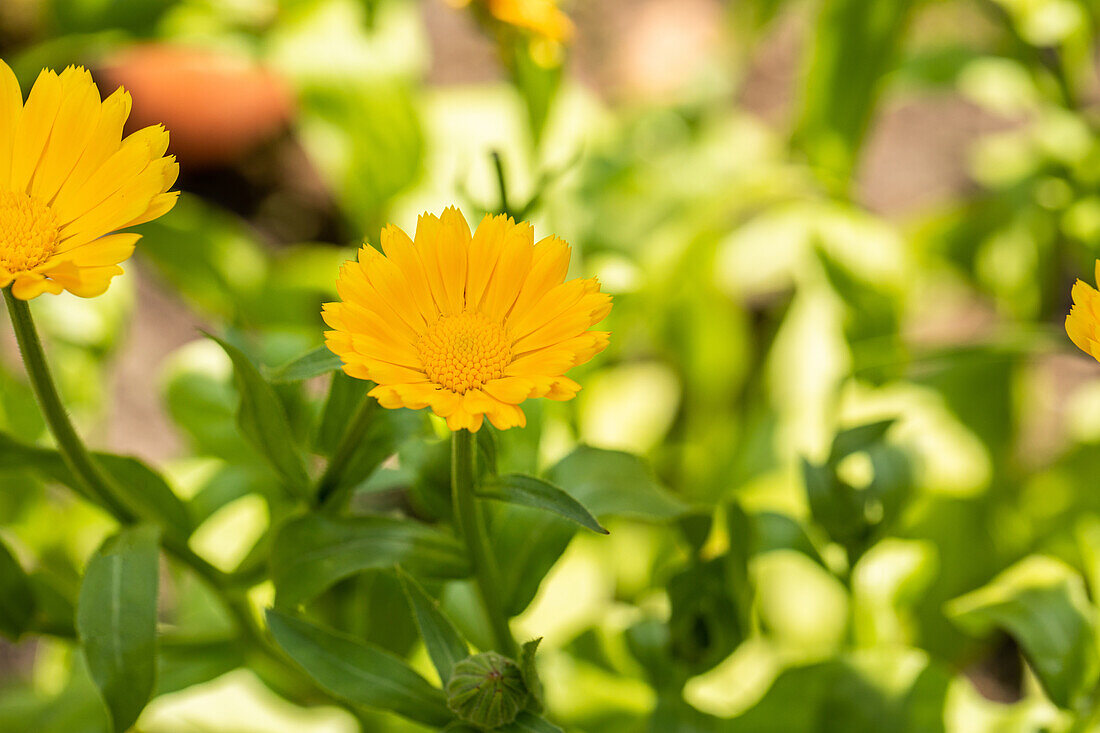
<point>541,17</point>
<point>1084,317</point>
<point>469,325</point>
<point>68,180</point>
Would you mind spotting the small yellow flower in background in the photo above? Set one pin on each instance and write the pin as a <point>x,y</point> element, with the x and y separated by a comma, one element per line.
<point>68,180</point>
<point>1083,321</point>
<point>469,325</point>
<point>543,18</point>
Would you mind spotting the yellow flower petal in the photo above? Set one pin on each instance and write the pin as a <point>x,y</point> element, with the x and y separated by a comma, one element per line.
<point>11,106</point>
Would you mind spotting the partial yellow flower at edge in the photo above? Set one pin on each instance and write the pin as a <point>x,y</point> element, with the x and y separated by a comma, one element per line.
<point>542,17</point>
<point>69,182</point>
<point>1083,321</point>
<point>470,325</point>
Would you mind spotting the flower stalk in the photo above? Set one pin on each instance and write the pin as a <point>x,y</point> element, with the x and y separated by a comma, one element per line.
<point>471,529</point>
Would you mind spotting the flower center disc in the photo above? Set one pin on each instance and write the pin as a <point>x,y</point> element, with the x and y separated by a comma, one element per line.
<point>464,352</point>
<point>28,231</point>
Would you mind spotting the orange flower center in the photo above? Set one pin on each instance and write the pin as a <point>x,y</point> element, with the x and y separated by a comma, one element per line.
<point>28,231</point>
<point>464,352</point>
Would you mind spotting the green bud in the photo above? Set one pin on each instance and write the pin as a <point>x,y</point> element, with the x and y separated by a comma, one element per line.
<point>486,690</point>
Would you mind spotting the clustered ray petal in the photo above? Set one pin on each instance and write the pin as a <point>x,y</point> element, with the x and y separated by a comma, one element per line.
<point>69,181</point>
<point>469,324</point>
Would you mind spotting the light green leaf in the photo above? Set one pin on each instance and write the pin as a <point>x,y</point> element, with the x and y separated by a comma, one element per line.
<point>314,552</point>
<point>16,596</point>
<point>117,621</point>
<point>445,645</point>
<point>1041,602</point>
<point>855,44</point>
<point>311,364</point>
<point>263,420</point>
<point>614,483</point>
<point>516,488</point>
<point>359,673</point>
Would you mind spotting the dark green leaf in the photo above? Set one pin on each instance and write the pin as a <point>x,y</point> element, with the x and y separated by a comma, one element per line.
<point>315,551</point>
<point>854,439</point>
<point>358,673</point>
<point>517,488</point>
<point>117,621</point>
<point>311,364</point>
<point>614,483</point>
<point>1041,602</point>
<point>445,645</point>
<point>345,394</point>
<point>262,418</point>
<point>16,596</point>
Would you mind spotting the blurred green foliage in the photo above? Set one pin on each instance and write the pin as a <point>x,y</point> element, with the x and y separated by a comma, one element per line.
<point>845,457</point>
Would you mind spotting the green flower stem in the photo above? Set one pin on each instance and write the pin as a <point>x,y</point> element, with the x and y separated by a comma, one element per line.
<point>471,528</point>
<point>99,487</point>
<point>329,491</point>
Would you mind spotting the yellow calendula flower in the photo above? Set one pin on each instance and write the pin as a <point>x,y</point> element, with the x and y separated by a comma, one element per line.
<point>542,18</point>
<point>68,180</point>
<point>469,325</point>
<point>1083,321</point>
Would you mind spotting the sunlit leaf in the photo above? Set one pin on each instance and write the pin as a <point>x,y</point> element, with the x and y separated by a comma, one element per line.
<point>117,621</point>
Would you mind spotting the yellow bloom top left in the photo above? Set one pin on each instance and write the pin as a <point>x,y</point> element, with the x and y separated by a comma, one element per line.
<point>69,181</point>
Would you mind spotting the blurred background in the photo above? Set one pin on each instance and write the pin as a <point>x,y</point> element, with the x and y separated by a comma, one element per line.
<point>813,214</point>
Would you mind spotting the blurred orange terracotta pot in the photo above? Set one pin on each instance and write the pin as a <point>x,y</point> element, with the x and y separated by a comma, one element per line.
<point>217,106</point>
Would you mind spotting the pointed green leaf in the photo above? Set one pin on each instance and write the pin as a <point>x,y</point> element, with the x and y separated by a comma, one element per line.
<point>358,673</point>
<point>16,596</point>
<point>445,645</point>
<point>263,420</point>
<point>117,621</point>
<point>516,488</point>
<point>614,483</point>
<point>311,364</point>
<point>531,674</point>
<point>313,552</point>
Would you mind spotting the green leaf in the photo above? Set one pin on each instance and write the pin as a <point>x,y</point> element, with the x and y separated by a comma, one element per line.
<point>531,673</point>
<point>516,488</point>
<point>1041,602</point>
<point>887,690</point>
<point>614,483</point>
<point>855,44</point>
<point>445,645</point>
<point>183,665</point>
<point>143,490</point>
<point>358,673</point>
<point>311,364</point>
<point>263,420</point>
<point>16,596</point>
<point>117,621</point>
<point>344,396</point>
<point>313,552</point>
<point>527,543</point>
